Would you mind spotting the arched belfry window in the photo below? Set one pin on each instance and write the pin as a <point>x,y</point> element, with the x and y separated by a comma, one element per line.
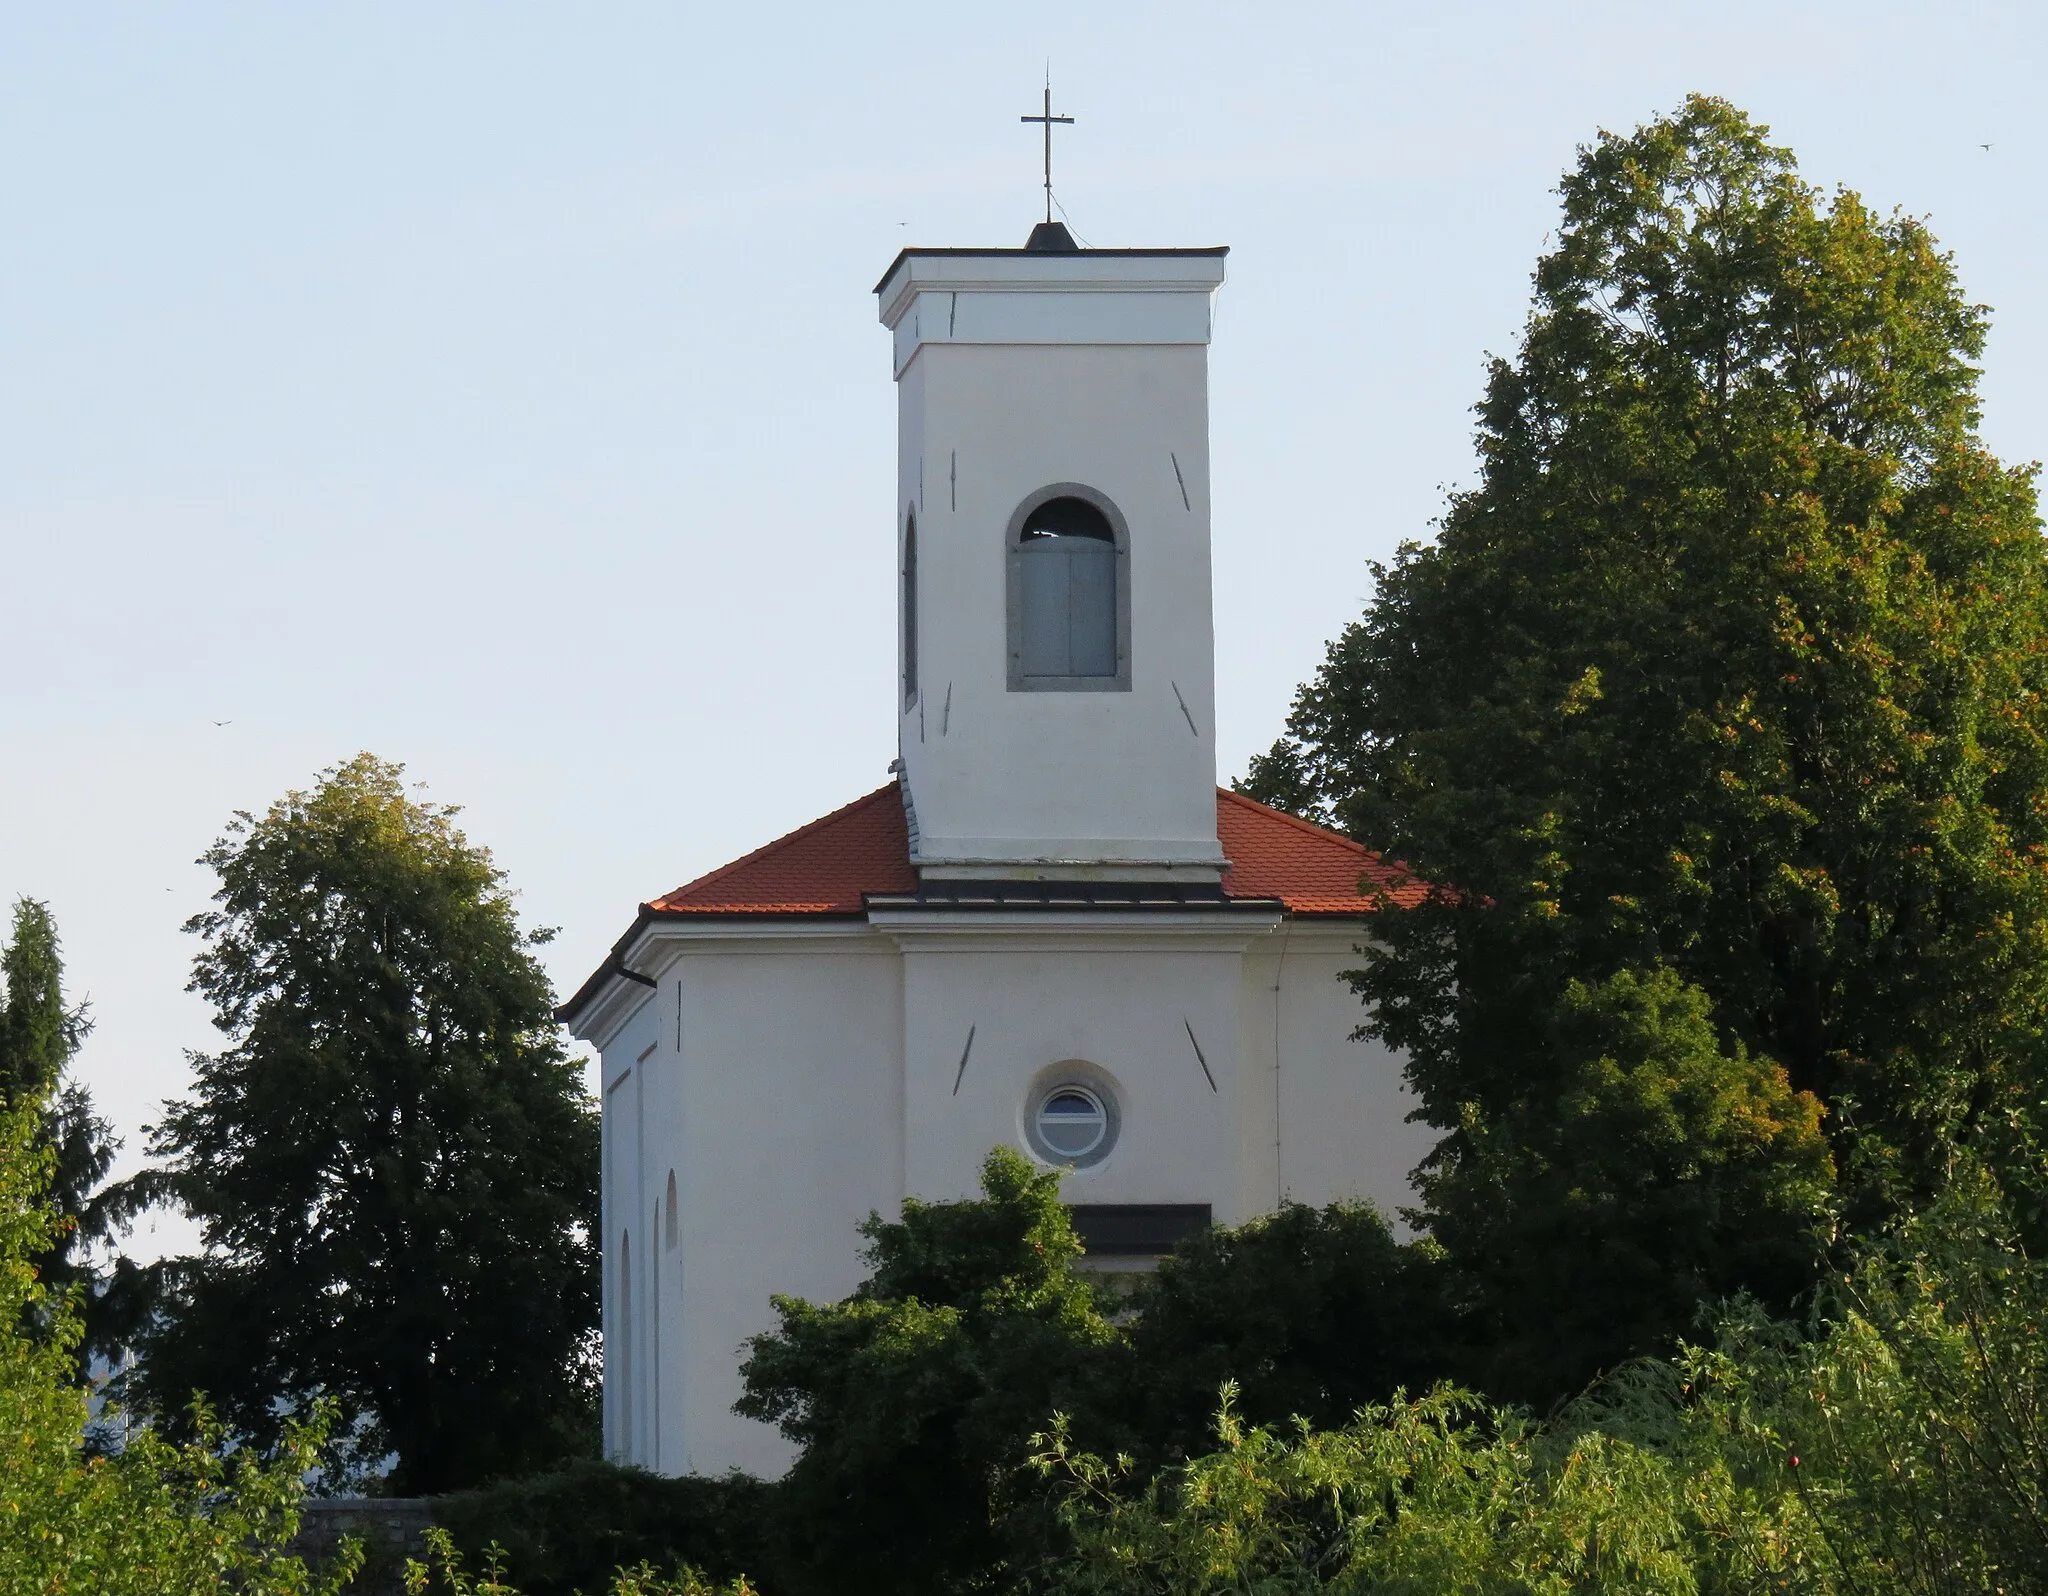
<point>910,609</point>
<point>1069,598</point>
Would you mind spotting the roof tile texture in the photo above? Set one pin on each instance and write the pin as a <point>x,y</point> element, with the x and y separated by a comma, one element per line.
<point>1274,854</point>
<point>822,868</point>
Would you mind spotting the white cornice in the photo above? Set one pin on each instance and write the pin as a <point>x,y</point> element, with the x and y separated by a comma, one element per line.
<point>654,951</point>
<point>609,1012</point>
<point>1192,273</point>
<point>1326,935</point>
<point>659,943</point>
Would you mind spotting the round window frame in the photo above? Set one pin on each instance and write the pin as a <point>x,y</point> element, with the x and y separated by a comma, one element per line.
<point>1048,1125</point>
<point>1093,1082</point>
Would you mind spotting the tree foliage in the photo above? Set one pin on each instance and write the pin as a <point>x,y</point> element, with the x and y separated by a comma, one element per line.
<point>1892,1438</point>
<point>1309,1313</point>
<point>394,1164</point>
<point>913,1398</point>
<point>1662,1171</point>
<point>567,1530</point>
<point>445,1572</point>
<point>155,1519</point>
<point>40,1034</point>
<point>1894,1443</point>
<point>1725,680</point>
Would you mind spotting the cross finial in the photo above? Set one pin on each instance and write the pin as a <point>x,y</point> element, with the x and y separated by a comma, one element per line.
<point>1048,119</point>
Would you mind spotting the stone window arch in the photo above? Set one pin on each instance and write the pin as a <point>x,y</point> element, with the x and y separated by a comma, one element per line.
<point>1067,554</point>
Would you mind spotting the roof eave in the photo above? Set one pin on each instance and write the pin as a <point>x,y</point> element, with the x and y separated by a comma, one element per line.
<point>612,969</point>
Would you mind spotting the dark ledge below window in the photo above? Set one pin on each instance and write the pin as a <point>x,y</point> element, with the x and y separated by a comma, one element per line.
<point>1067,895</point>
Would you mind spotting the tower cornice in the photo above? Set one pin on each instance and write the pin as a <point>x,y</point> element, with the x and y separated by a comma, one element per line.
<point>1024,271</point>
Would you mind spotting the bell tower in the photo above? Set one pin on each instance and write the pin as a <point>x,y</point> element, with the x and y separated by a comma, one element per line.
<point>1057,682</point>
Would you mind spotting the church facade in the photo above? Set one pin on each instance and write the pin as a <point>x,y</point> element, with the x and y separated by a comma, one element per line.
<point>1050,931</point>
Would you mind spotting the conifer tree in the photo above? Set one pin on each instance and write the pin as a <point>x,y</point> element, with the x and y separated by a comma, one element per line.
<point>1721,702</point>
<point>39,1036</point>
<point>393,1162</point>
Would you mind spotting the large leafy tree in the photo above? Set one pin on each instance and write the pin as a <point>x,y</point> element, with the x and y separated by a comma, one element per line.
<point>1719,702</point>
<point>394,1164</point>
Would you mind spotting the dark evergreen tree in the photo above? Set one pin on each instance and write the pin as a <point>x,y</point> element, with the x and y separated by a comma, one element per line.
<point>1312,1313</point>
<point>1720,702</point>
<point>914,1399</point>
<point>394,1164</point>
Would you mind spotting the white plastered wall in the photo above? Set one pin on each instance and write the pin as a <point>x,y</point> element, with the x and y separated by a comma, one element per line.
<point>1325,1117</point>
<point>814,1083</point>
<point>1122,997</point>
<point>780,1115</point>
<point>623,1140</point>
<point>1003,394</point>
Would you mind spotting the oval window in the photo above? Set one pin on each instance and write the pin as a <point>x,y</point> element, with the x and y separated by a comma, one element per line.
<point>1072,1122</point>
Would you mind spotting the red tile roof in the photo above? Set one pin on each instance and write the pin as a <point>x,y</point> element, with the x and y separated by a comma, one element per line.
<point>825,867</point>
<point>822,868</point>
<point>1274,854</point>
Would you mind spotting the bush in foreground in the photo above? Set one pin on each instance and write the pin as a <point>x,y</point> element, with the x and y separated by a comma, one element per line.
<point>191,1519</point>
<point>447,1571</point>
<point>568,1530</point>
<point>1897,1443</point>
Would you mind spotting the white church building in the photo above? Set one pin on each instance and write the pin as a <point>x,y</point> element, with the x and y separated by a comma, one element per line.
<point>1050,931</point>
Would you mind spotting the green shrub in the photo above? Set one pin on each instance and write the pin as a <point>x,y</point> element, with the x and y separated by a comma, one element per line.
<point>913,1400</point>
<point>568,1530</point>
<point>446,1571</point>
<point>1896,1442</point>
<point>194,1519</point>
<point>1312,1313</point>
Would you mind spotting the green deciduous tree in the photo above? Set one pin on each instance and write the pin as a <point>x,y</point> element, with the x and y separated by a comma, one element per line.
<point>394,1164</point>
<point>1662,1170</point>
<point>1720,701</point>
<point>913,1399</point>
<point>1909,1415</point>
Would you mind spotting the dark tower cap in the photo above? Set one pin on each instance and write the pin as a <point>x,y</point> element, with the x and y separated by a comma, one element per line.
<point>1051,238</point>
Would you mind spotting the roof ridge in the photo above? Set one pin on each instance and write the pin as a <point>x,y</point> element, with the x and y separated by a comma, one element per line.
<point>767,849</point>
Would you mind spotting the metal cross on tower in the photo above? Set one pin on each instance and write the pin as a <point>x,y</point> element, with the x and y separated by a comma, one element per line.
<point>1048,119</point>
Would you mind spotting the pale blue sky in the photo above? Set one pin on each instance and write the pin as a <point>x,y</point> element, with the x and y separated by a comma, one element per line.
<point>497,387</point>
